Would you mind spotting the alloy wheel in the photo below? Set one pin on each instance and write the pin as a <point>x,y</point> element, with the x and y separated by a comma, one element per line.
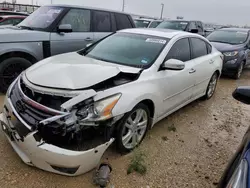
<point>212,85</point>
<point>134,129</point>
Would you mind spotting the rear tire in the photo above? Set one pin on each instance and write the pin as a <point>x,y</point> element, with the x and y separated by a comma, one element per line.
<point>10,69</point>
<point>211,86</point>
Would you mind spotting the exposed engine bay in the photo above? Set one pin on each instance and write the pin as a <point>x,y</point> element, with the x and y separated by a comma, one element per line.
<point>66,122</point>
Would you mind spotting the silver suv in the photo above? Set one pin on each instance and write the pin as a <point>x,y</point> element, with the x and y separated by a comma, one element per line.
<point>53,30</point>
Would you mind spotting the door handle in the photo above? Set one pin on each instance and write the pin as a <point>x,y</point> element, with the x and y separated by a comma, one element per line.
<point>88,39</point>
<point>211,61</point>
<point>192,71</point>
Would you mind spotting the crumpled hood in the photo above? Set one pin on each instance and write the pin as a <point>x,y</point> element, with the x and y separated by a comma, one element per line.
<point>223,47</point>
<point>73,71</point>
<point>14,34</point>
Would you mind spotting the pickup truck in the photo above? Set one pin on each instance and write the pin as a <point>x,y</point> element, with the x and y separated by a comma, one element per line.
<point>52,30</point>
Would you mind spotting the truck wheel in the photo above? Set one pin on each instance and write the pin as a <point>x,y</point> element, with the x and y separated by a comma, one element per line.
<point>9,70</point>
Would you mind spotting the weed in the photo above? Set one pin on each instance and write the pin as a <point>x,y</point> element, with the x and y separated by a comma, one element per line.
<point>137,163</point>
<point>172,128</point>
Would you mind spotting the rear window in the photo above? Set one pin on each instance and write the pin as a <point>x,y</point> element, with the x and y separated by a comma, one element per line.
<point>122,21</point>
<point>142,23</point>
<point>102,21</point>
<point>199,47</point>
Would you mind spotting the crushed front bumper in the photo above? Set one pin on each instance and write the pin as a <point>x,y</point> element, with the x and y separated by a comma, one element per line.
<point>46,156</point>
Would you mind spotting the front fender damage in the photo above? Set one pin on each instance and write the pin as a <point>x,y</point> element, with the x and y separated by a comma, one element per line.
<point>61,143</point>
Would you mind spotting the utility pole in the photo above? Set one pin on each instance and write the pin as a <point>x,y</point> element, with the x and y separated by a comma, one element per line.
<point>123,5</point>
<point>51,1</point>
<point>162,8</point>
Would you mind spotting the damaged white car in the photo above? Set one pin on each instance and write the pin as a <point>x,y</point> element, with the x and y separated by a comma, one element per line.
<point>62,113</point>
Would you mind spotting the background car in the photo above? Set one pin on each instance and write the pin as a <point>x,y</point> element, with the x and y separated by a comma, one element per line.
<point>234,43</point>
<point>237,171</point>
<point>146,23</point>
<point>4,12</point>
<point>11,20</point>
<point>183,25</point>
<point>115,89</point>
<point>53,30</point>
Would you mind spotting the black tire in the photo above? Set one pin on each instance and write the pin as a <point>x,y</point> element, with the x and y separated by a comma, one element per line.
<point>237,75</point>
<point>208,95</point>
<point>119,133</point>
<point>9,70</point>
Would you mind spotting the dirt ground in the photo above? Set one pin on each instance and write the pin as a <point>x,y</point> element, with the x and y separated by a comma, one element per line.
<point>208,133</point>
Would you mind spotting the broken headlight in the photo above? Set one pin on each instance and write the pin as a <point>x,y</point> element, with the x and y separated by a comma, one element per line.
<point>99,110</point>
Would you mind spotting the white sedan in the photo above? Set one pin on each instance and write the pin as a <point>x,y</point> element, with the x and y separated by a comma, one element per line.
<point>62,113</point>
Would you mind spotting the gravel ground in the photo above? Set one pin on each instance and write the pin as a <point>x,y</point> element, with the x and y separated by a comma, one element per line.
<point>208,133</point>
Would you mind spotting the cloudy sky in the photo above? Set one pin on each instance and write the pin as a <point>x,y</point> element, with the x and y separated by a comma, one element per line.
<point>215,11</point>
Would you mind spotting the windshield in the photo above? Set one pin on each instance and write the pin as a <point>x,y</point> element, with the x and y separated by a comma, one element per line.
<point>230,37</point>
<point>41,18</point>
<point>142,23</point>
<point>176,25</point>
<point>133,50</point>
<point>154,24</point>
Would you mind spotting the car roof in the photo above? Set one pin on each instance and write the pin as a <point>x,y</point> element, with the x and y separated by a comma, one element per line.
<point>235,29</point>
<point>166,33</point>
<point>85,7</point>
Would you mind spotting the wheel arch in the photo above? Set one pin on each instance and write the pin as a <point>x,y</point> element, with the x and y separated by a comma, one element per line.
<point>21,54</point>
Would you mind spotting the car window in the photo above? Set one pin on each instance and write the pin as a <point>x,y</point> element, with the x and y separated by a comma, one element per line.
<point>141,23</point>
<point>122,21</point>
<point>180,50</point>
<point>7,22</point>
<point>154,24</point>
<point>199,47</point>
<point>199,26</point>
<point>79,19</point>
<point>228,36</point>
<point>176,25</point>
<point>209,48</point>
<point>192,26</point>
<point>136,50</point>
<point>102,21</point>
<point>17,21</point>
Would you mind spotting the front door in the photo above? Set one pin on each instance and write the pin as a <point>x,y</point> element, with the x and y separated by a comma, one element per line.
<point>177,86</point>
<point>79,19</point>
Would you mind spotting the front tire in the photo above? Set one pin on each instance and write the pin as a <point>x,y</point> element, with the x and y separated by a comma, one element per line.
<point>211,86</point>
<point>132,128</point>
<point>9,70</point>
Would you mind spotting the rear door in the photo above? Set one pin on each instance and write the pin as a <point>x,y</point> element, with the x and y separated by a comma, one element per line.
<point>81,35</point>
<point>102,24</point>
<point>204,64</point>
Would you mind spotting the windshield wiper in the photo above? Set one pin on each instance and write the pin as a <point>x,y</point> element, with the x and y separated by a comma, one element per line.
<point>25,27</point>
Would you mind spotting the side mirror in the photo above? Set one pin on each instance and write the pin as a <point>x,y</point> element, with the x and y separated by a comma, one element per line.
<point>173,64</point>
<point>194,31</point>
<point>64,28</point>
<point>242,94</point>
